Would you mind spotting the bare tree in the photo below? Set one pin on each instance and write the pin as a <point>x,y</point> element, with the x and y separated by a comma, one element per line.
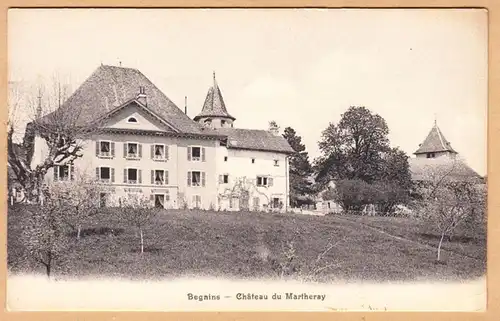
<point>137,210</point>
<point>61,128</point>
<point>450,198</point>
<point>80,197</point>
<point>45,235</point>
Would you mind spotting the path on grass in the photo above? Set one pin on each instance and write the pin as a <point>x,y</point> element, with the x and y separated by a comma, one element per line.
<point>404,239</point>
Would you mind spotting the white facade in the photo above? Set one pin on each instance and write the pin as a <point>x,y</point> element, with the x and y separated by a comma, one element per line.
<point>225,173</point>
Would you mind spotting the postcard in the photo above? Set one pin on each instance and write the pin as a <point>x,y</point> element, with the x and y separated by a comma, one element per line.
<point>247,159</point>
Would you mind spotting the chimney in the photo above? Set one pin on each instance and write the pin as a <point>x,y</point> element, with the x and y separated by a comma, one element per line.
<point>274,128</point>
<point>185,105</point>
<point>141,96</point>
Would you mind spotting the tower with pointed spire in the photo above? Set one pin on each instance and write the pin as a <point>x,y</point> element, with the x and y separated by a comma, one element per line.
<point>435,145</point>
<point>214,113</point>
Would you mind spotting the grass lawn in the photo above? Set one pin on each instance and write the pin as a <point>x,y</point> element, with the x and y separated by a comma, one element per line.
<point>471,243</point>
<point>247,245</point>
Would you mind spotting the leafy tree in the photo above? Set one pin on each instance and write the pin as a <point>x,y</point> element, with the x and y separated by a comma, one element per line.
<point>353,148</point>
<point>357,149</point>
<point>300,170</point>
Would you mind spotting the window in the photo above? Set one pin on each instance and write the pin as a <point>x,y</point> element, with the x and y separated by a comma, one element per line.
<point>159,152</point>
<point>132,176</point>
<point>105,174</point>
<point>132,150</point>
<point>431,155</point>
<point>276,202</point>
<point>196,178</point>
<point>159,177</point>
<point>264,181</point>
<point>222,122</point>
<point>105,148</point>
<point>132,120</point>
<point>208,122</point>
<point>225,158</point>
<point>63,172</point>
<point>196,153</point>
<point>253,160</point>
<point>276,162</point>
<point>224,179</point>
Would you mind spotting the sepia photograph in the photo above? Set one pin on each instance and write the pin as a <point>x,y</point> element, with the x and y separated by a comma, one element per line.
<point>247,159</point>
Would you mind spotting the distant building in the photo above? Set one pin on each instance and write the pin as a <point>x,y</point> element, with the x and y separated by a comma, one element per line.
<point>147,145</point>
<point>435,155</point>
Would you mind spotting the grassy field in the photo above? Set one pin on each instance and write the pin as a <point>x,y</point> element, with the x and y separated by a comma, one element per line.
<point>254,245</point>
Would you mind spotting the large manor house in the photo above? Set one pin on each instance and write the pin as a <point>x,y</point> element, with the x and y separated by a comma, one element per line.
<point>148,146</point>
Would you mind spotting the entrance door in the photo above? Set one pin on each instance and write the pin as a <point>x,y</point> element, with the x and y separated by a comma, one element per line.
<point>159,200</point>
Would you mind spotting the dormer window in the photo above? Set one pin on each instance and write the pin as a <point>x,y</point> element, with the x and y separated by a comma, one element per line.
<point>132,120</point>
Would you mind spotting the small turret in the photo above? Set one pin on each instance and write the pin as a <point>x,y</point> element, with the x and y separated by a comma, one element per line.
<point>214,113</point>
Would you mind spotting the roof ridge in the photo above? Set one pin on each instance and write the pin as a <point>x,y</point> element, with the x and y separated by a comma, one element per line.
<point>440,136</point>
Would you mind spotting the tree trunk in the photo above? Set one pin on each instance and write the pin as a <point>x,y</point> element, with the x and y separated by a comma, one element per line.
<point>142,242</point>
<point>48,266</point>
<point>439,247</point>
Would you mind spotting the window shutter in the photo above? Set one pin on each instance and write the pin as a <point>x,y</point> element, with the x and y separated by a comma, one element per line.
<point>166,177</point>
<point>152,197</point>
<point>189,178</point>
<point>97,173</point>
<point>112,149</point>
<point>203,154</point>
<point>166,152</point>
<point>269,181</point>
<point>97,148</point>
<point>112,175</point>
<point>189,153</point>
<point>125,178</point>
<point>139,172</point>
<point>203,179</point>
<point>140,150</point>
<point>124,150</point>
<point>152,151</point>
<point>167,195</point>
<point>56,168</point>
<point>221,179</point>
<point>71,172</point>
<point>152,176</point>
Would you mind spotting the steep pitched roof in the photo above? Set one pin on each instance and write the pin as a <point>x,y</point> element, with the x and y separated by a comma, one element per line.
<point>424,169</point>
<point>214,105</point>
<point>254,139</point>
<point>110,87</point>
<point>435,142</point>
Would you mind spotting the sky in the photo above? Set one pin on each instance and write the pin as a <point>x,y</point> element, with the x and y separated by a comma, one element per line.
<point>301,68</point>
